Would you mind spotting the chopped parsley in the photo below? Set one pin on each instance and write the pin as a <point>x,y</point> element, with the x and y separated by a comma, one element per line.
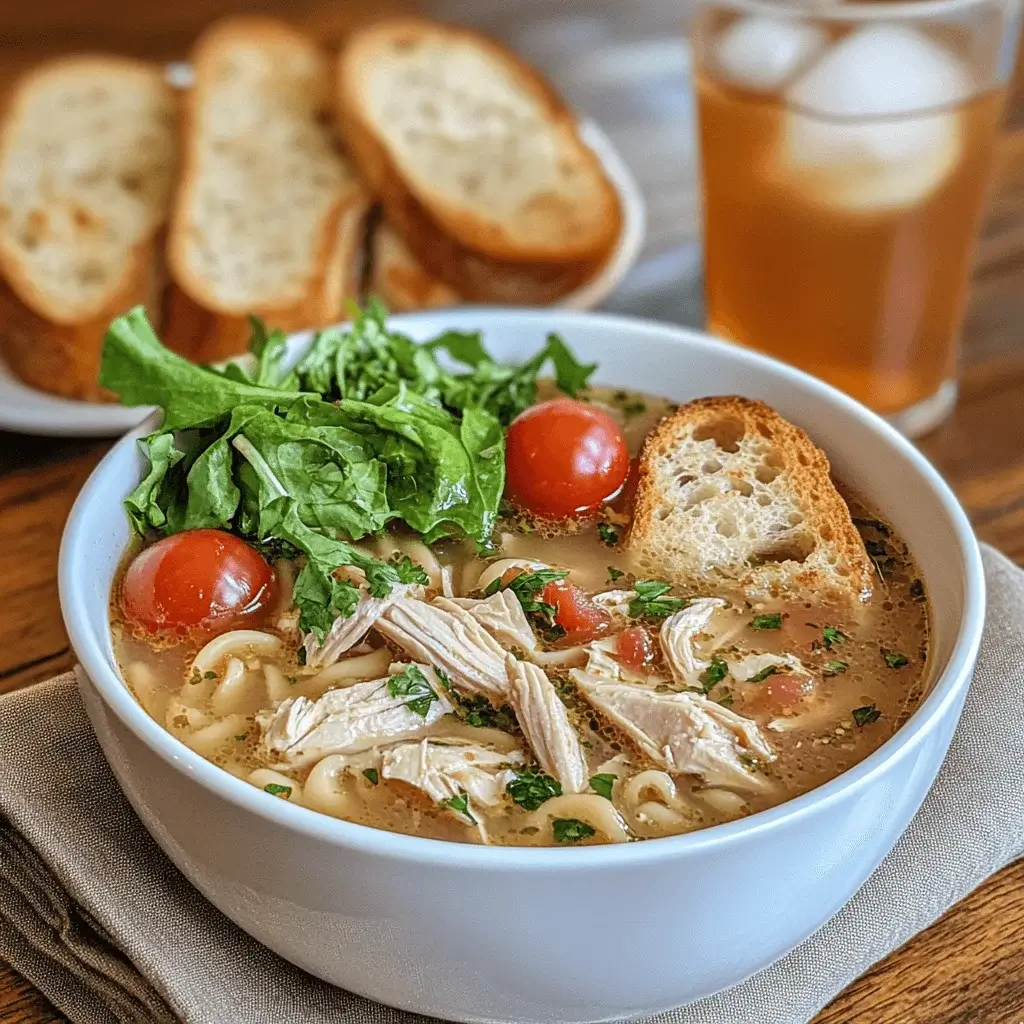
<point>713,674</point>
<point>894,659</point>
<point>608,534</point>
<point>834,667</point>
<point>531,787</point>
<point>760,677</point>
<point>602,784</point>
<point>650,601</point>
<point>726,700</point>
<point>242,737</point>
<point>831,636</point>
<point>634,408</point>
<point>879,554</point>
<point>210,675</point>
<point>460,804</point>
<point>526,586</point>
<point>769,621</point>
<point>866,715</point>
<point>412,683</point>
<point>479,712</point>
<point>571,830</point>
<point>370,774</point>
<point>276,790</point>
<point>614,574</point>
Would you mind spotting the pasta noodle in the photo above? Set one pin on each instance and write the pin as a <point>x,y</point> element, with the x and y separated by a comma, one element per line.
<point>388,547</point>
<point>595,810</point>
<point>343,673</point>
<point>238,642</point>
<point>329,787</point>
<point>653,806</point>
<point>263,777</point>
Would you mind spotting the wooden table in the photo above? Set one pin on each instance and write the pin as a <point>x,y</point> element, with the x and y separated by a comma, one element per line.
<point>967,967</point>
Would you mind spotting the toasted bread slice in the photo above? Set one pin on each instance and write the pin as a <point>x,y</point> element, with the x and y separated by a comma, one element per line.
<point>449,121</point>
<point>732,497</point>
<point>267,218</point>
<point>88,152</point>
<point>399,279</point>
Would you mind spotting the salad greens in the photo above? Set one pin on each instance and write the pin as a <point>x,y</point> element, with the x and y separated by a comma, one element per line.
<point>369,427</point>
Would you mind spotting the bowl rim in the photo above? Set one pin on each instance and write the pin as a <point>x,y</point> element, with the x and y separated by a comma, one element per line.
<point>946,690</point>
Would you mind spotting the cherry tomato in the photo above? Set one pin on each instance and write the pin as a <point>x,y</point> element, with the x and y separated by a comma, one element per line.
<point>779,693</point>
<point>635,647</point>
<point>203,581</point>
<point>626,498</point>
<point>563,458</point>
<point>581,619</point>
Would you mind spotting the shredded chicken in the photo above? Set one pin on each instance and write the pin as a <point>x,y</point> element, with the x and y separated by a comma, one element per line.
<point>601,662</point>
<point>446,769</point>
<point>747,667</point>
<point>678,633</point>
<point>300,732</point>
<point>545,723</point>
<point>346,632</point>
<point>497,569</point>
<point>451,639</point>
<point>615,602</point>
<point>684,733</point>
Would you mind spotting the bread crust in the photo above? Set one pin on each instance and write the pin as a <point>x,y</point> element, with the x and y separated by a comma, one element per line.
<point>201,326</point>
<point>399,279</point>
<point>49,347</point>
<point>457,245</point>
<point>808,475</point>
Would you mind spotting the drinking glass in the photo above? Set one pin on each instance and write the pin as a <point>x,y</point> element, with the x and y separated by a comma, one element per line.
<point>846,152</point>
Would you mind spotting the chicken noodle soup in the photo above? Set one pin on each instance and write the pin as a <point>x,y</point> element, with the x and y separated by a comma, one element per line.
<point>534,690</point>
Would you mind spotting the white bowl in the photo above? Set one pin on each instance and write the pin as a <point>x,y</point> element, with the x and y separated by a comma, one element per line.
<point>474,933</point>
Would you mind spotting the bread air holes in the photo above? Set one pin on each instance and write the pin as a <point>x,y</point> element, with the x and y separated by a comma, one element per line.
<point>701,494</point>
<point>726,527</point>
<point>711,466</point>
<point>725,431</point>
<point>771,466</point>
<point>792,548</point>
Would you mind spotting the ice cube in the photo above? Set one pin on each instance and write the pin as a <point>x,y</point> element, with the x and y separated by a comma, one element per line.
<point>762,53</point>
<point>874,129</point>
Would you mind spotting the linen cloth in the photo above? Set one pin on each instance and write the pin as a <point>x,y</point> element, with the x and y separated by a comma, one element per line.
<point>94,914</point>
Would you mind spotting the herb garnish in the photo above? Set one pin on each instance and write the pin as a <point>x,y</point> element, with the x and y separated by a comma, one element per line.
<point>571,830</point>
<point>726,700</point>
<point>614,574</point>
<point>651,603</point>
<point>894,659</point>
<point>917,589</point>
<point>274,789</point>
<point>602,784</point>
<point>241,737</point>
<point>526,586</point>
<point>371,775</point>
<point>713,674</point>
<point>866,715</point>
<point>460,804</point>
<point>210,675</point>
<point>531,787</point>
<point>771,620</point>
<point>834,667</point>
<point>477,710</point>
<point>831,636</point>
<point>412,683</point>
<point>760,677</point>
<point>608,534</point>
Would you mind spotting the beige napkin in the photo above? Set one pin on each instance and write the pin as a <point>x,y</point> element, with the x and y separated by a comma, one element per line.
<point>95,915</point>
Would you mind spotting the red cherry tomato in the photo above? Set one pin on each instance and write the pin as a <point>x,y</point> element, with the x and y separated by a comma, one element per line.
<point>635,647</point>
<point>581,619</point>
<point>563,458</point>
<point>779,694</point>
<point>203,581</point>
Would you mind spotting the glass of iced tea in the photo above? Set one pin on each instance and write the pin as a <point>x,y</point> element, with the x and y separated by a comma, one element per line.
<point>846,153</point>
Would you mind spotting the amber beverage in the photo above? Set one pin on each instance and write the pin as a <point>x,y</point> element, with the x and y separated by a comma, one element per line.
<point>846,158</point>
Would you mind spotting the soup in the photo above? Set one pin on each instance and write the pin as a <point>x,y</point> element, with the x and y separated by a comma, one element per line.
<point>538,690</point>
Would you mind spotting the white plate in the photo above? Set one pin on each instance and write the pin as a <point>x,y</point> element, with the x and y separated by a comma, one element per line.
<point>27,411</point>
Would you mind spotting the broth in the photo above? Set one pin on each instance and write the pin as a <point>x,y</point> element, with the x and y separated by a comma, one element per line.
<point>855,683</point>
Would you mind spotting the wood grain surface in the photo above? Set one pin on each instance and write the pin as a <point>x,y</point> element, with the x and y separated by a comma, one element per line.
<point>968,967</point>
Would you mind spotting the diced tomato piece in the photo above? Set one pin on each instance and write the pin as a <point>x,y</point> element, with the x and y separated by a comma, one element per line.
<point>510,574</point>
<point>581,619</point>
<point>779,694</point>
<point>635,647</point>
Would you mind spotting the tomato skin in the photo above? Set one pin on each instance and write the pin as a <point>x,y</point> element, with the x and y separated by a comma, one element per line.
<point>199,581</point>
<point>564,458</point>
<point>635,647</point>
<point>779,694</point>
<point>581,619</point>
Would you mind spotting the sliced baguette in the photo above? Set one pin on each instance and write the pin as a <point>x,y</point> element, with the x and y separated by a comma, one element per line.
<point>399,279</point>
<point>470,149</point>
<point>268,215</point>
<point>731,496</point>
<point>88,151</point>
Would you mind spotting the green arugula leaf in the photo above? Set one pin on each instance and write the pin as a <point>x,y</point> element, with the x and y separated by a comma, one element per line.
<point>531,787</point>
<point>275,789</point>
<point>831,636</point>
<point>412,683</point>
<point>460,804</point>
<point>602,784</point>
<point>651,603</point>
<point>894,659</point>
<point>770,621</point>
<point>571,830</point>
<point>614,574</point>
<point>834,667</point>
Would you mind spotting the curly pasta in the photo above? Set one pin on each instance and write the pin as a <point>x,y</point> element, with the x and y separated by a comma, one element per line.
<point>595,810</point>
